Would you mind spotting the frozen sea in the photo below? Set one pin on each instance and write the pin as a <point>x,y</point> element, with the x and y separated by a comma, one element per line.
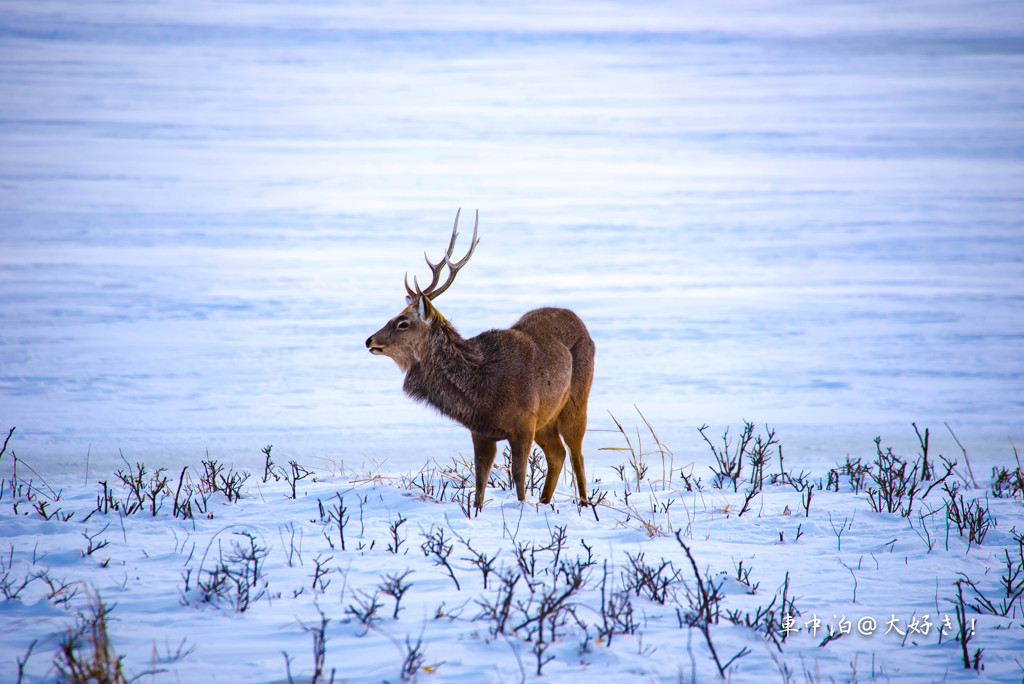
<point>809,215</point>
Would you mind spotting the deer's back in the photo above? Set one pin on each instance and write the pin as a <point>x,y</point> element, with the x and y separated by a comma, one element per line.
<point>549,327</point>
<point>564,356</point>
<point>534,361</point>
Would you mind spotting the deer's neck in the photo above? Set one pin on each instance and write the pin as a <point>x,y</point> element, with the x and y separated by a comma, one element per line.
<point>447,375</point>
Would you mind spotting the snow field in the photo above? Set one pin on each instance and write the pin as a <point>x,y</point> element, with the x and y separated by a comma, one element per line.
<point>256,583</point>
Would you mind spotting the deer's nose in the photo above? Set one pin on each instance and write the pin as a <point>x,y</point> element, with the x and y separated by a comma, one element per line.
<point>369,341</point>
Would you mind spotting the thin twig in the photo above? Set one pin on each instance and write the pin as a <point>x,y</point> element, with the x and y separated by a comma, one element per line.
<point>4,449</point>
<point>967,460</point>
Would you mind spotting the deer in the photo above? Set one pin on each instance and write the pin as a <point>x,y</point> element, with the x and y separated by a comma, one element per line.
<point>524,384</point>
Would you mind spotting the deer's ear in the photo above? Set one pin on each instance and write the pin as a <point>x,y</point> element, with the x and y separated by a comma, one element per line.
<point>426,310</point>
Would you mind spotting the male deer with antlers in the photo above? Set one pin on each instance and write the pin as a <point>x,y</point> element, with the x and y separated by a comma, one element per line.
<point>529,383</point>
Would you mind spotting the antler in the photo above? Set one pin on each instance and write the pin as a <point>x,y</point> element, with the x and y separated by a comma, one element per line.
<point>432,291</point>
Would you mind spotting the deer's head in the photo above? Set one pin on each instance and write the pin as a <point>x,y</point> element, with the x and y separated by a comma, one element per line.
<point>404,338</point>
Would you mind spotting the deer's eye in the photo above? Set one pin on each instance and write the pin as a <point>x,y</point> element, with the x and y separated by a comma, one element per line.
<point>402,325</point>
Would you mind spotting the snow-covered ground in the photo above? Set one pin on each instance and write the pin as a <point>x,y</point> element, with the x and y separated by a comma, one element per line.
<point>802,215</point>
<point>673,575</point>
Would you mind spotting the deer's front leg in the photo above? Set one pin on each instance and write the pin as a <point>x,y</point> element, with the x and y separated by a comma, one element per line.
<point>484,451</point>
<point>519,446</point>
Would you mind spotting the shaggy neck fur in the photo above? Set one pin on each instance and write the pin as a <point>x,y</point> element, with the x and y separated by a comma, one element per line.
<point>447,375</point>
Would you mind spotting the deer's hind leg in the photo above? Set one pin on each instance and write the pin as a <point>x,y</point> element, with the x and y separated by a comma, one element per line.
<point>572,431</point>
<point>548,439</point>
<point>572,421</point>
